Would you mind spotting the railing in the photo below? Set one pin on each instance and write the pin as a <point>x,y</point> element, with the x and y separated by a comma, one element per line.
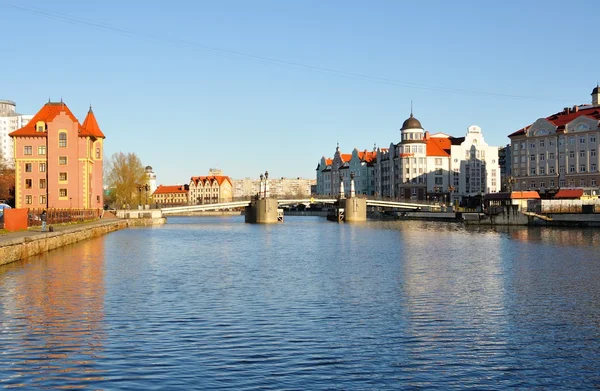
<point>61,216</point>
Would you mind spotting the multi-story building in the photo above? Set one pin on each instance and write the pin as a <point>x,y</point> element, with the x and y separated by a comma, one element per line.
<point>504,161</point>
<point>420,167</point>
<point>10,121</point>
<point>278,188</point>
<point>170,195</point>
<point>58,161</point>
<point>558,151</point>
<point>211,189</point>
<point>330,171</point>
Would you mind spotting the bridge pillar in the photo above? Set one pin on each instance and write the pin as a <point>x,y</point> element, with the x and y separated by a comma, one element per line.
<point>262,211</point>
<point>355,209</point>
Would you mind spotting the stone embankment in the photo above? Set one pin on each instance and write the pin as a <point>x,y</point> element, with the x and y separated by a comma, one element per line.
<point>20,245</point>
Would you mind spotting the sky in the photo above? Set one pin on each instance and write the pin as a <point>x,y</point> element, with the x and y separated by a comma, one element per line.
<point>250,86</point>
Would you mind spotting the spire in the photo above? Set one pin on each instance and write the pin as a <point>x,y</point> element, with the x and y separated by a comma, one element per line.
<point>411,109</point>
<point>91,125</point>
<point>90,110</point>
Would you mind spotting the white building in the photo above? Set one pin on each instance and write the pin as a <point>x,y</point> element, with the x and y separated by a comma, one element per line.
<point>10,121</point>
<point>151,179</point>
<point>436,166</point>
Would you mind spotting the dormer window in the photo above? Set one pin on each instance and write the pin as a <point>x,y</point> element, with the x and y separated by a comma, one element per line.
<point>40,128</point>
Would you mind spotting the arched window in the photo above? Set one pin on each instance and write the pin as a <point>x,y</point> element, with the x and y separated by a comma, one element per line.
<point>62,140</point>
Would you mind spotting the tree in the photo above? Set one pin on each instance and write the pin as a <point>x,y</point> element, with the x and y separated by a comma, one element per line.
<point>124,173</point>
<point>7,182</point>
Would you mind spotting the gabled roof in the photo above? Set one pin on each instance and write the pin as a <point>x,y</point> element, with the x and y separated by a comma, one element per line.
<point>170,189</point>
<point>438,146</point>
<point>91,125</point>
<point>47,113</point>
<point>367,157</point>
<point>569,193</point>
<point>562,118</point>
<point>345,157</point>
<point>210,178</point>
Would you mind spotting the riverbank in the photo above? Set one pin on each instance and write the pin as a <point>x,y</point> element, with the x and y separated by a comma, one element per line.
<point>15,246</point>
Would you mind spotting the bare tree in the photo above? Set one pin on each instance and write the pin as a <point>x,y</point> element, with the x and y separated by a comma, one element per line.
<point>7,181</point>
<point>124,173</point>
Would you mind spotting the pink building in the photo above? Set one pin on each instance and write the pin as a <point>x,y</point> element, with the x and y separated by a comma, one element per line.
<point>58,161</point>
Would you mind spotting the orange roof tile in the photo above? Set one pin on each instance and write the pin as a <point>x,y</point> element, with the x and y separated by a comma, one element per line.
<point>47,113</point>
<point>91,125</point>
<point>367,156</point>
<point>564,117</point>
<point>345,157</point>
<point>438,146</point>
<point>170,189</point>
<point>210,178</point>
<point>522,195</point>
<point>569,193</point>
<point>328,162</point>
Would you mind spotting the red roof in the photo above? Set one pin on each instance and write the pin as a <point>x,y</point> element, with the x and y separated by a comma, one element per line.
<point>170,189</point>
<point>91,125</point>
<point>328,162</point>
<point>50,111</point>
<point>367,156</point>
<point>438,146</point>
<point>210,178</point>
<point>569,193</point>
<point>524,195</point>
<point>345,157</point>
<point>564,117</point>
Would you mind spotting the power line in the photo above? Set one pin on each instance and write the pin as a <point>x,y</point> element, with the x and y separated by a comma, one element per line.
<point>177,42</point>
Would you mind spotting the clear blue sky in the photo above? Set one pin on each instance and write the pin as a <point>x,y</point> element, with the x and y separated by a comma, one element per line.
<point>249,86</point>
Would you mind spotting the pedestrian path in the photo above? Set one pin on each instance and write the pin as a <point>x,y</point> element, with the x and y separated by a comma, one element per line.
<point>11,238</point>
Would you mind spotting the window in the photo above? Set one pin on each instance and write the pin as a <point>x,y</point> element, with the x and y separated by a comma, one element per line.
<point>28,199</point>
<point>581,153</point>
<point>551,182</point>
<point>562,183</point>
<point>561,155</point>
<point>42,183</point>
<point>439,181</point>
<point>516,159</point>
<point>522,146</point>
<point>97,153</point>
<point>592,138</point>
<point>551,155</point>
<point>582,168</point>
<point>571,140</point>
<point>532,158</point>
<point>28,150</point>
<point>439,171</point>
<point>582,182</point>
<point>572,168</point>
<point>523,157</point>
<point>543,184</point>
<point>542,171</point>
<point>40,128</point>
<point>28,183</point>
<point>542,143</point>
<point>532,145</point>
<point>550,143</point>
<point>438,161</point>
<point>593,167</point>
<point>592,181</point>
<point>551,170</point>
<point>42,167</point>
<point>62,160</point>
<point>43,199</point>
<point>532,171</point>
<point>27,167</point>
<point>581,139</point>
<point>41,150</point>
<point>571,154</point>
<point>62,193</point>
<point>592,152</point>
<point>62,176</point>
<point>561,141</point>
<point>542,156</point>
<point>62,140</point>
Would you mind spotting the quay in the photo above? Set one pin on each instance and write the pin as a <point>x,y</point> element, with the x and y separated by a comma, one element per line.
<point>15,246</point>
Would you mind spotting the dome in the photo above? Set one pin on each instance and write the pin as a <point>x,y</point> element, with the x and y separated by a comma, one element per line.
<point>148,168</point>
<point>411,123</point>
<point>596,90</point>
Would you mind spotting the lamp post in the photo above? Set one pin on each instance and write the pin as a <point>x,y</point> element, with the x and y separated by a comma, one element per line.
<point>147,188</point>
<point>140,187</point>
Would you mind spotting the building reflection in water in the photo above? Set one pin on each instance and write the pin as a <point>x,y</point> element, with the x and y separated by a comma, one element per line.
<point>54,332</point>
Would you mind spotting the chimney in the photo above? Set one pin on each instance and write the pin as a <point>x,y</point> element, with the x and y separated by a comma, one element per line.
<point>575,108</point>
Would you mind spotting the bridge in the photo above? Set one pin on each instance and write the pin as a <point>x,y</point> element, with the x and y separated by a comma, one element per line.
<point>308,201</point>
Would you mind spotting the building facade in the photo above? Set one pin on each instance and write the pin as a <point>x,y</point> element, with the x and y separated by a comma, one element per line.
<point>170,195</point>
<point>10,121</point>
<point>278,188</point>
<point>210,189</point>
<point>150,179</point>
<point>58,161</point>
<point>330,171</point>
<point>558,151</point>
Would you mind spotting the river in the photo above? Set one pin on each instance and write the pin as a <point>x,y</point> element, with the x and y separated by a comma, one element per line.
<point>213,303</point>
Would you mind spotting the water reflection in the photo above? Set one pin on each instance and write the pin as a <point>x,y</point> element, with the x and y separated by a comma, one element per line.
<point>52,317</point>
